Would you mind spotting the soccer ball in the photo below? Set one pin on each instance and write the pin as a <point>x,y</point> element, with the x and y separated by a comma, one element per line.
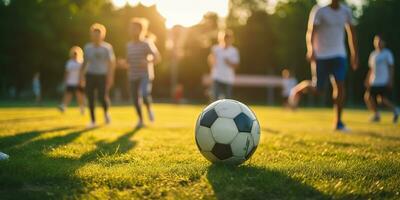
<point>227,131</point>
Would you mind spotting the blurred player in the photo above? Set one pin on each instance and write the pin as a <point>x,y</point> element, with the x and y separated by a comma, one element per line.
<point>224,60</point>
<point>142,54</point>
<point>326,50</point>
<point>71,80</point>
<point>288,83</point>
<point>379,80</point>
<point>97,71</point>
<point>37,88</point>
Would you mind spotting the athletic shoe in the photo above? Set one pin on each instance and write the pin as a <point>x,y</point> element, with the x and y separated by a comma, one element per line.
<point>151,116</point>
<point>107,118</point>
<point>61,108</point>
<point>91,125</point>
<point>340,126</point>
<point>396,115</point>
<point>4,156</point>
<point>375,118</point>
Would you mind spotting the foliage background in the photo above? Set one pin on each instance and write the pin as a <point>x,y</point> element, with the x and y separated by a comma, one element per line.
<point>37,34</point>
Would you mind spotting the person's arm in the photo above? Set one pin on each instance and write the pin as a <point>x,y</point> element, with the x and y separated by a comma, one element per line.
<point>82,71</point>
<point>153,52</point>
<point>313,23</point>
<point>233,61</point>
<point>391,69</point>
<point>352,39</point>
<point>232,64</point>
<point>157,58</point>
<point>156,54</point>
<point>310,35</point>
<point>367,78</point>
<point>110,70</point>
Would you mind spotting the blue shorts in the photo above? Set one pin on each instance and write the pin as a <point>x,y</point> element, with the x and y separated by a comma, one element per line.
<point>336,67</point>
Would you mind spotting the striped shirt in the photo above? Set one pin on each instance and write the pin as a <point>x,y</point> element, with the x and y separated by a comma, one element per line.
<point>137,54</point>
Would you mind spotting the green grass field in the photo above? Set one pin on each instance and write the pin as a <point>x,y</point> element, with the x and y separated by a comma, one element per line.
<point>299,156</point>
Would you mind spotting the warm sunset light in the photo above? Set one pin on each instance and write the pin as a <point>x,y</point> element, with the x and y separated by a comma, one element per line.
<point>200,99</point>
<point>178,12</point>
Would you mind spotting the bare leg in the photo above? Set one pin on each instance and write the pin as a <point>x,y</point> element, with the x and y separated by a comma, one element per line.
<point>338,100</point>
<point>392,107</point>
<point>298,91</point>
<point>67,98</point>
<point>388,103</point>
<point>370,101</point>
<point>80,98</point>
<point>371,105</point>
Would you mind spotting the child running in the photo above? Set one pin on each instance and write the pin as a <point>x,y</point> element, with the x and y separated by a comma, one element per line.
<point>98,66</point>
<point>142,54</point>
<point>71,80</point>
<point>380,79</point>
<point>224,60</point>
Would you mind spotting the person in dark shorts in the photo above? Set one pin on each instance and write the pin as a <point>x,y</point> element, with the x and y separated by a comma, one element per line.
<point>326,50</point>
<point>71,80</point>
<point>379,80</point>
<point>142,54</point>
<point>98,71</point>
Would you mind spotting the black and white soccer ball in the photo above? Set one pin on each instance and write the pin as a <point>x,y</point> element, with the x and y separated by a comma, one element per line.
<point>227,131</point>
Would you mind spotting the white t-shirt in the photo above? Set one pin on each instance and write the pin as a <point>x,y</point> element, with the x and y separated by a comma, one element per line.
<point>287,85</point>
<point>73,68</point>
<point>330,30</point>
<point>380,62</point>
<point>221,71</point>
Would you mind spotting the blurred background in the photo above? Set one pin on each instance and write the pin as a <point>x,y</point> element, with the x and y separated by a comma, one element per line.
<point>270,34</point>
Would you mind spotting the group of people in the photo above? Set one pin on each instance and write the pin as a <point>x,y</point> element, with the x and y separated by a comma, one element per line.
<point>93,67</point>
<point>91,71</point>
<point>326,51</point>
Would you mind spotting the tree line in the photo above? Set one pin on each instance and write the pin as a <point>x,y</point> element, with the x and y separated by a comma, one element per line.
<point>36,36</point>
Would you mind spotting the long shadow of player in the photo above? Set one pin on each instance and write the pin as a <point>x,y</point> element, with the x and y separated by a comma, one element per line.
<point>119,146</point>
<point>53,170</point>
<point>247,182</point>
<point>27,119</point>
<point>8,142</point>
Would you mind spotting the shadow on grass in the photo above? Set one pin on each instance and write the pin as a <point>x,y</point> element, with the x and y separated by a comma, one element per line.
<point>18,138</point>
<point>27,119</point>
<point>246,182</point>
<point>34,173</point>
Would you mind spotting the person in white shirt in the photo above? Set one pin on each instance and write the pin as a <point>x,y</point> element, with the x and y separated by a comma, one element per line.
<point>379,80</point>
<point>224,60</point>
<point>288,83</point>
<point>326,51</point>
<point>71,80</point>
<point>97,72</point>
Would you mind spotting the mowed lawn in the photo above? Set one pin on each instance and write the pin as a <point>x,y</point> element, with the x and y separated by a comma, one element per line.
<point>53,156</point>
